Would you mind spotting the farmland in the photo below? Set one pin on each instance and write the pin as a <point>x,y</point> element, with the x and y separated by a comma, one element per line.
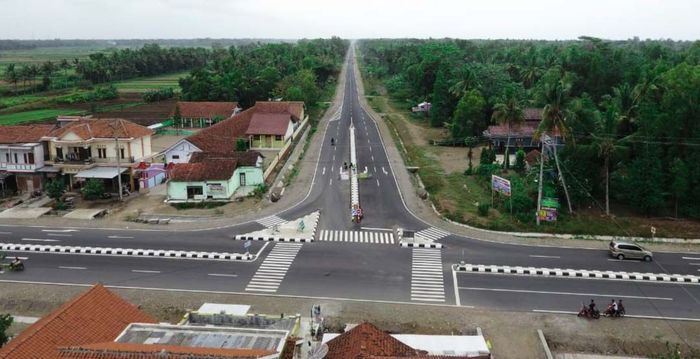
<point>36,115</point>
<point>144,84</point>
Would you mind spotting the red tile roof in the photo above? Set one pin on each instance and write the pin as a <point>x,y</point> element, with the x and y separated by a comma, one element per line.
<point>23,133</point>
<point>102,128</point>
<point>222,136</point>
<point>533,114</point>
<point>294,108</point>
<point>247,158</point>
<point>115,350</point>
<point>221,169</point>
<point>269,124</point>
<point>203,109</point>
<point>97,315</point>
<point>532,157</point>
<point>367,340</point>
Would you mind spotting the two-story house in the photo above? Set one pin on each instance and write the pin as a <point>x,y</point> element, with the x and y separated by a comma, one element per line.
<point>85,148</point>
<point>22,155</point>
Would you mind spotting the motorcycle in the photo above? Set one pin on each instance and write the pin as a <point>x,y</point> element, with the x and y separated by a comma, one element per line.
<point>614,314</point>
<point>586,312</point>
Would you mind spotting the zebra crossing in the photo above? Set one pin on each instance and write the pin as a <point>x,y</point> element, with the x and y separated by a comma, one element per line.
<point>357,237</point>
<point>271,221</point>
<point>427,283</point>
<point>273,269</point>
<point>433,233</point>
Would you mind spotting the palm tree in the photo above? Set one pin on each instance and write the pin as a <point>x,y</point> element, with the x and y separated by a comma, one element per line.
<point>555,117</point>
<point>509,114</point>
<point>605,143</point>
<point>468,79</point>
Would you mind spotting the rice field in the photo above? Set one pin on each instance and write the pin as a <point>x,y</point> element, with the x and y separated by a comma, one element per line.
<point>36,115</point>
<point>144,84</point>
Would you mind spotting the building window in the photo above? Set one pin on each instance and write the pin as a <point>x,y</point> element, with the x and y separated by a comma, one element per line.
<point>16,161</point>
<point>194,191</point>
<point>278,138</point>
<point>176,157</point>
<point>30,158</point>
<point>101,153</point>
<point>121,153</point>
<point>7,157</point>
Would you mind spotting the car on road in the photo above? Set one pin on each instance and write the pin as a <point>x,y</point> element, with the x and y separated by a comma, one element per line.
<point>622,250</point>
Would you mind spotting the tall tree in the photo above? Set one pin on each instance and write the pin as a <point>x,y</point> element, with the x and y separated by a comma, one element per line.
<point>679,181</point>
<point>555,117</point>
<point>440,111</point>
<point>468,114</point>
<point>509,114</point>
<point>11,76</point>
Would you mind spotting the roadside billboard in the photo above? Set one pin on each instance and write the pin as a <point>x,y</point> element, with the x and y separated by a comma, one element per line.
<point>500,185</point>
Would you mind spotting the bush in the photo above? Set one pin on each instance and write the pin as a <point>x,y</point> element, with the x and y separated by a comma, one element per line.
<point>260,190</point>
<point>486,170</point>
<point>520,161</point>
<point>158,95</point>
<point>99,94</point>
<point>55,188</point>
<point>241,145</point>
<point>93,189</point>
<point>483,209</point>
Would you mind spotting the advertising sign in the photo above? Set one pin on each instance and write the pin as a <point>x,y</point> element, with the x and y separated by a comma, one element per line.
<point>548,214</point>
<point>500,185</point>
<point>215,188</point>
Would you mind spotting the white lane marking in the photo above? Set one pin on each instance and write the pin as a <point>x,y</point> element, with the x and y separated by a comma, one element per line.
<point>565,293</point>
<point>621,260</point>
<point>692,258</point>
<point>370,148</point>
<point>377,229</point>
<point>375,169</point>
<point>330,182</point>
<point>119,237</point>
<point>626,315</point>
<point>377,183</point>
<point>333,158</point>
<point>324,171</point>
<point>539,256</point>
<point>372,158</point>
<point>75,268</point>
<point>59,230</point>
<point>144,271</point>
<point>385,172</point>
<point>40,240</point>
<point>5,232</point>
<point>59,235</point>
<point>694,264</point>
<point>454,280</point>
<point>222,275</point>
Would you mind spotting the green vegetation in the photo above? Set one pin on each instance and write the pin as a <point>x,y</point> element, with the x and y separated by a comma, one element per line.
<point>627,111</point>
<point>35,115</point>
<point>145,84</point>
<point>158,95</point>
<point>297,72</point>
<point>93,189</point>
<point>5,323</point>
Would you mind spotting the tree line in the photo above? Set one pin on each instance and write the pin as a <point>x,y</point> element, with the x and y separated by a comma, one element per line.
<point>628,111</point>
<point>293,71</point>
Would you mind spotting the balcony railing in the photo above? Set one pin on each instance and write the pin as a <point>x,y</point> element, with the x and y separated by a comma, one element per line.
<point>91,160</point>
<point>17,166</point>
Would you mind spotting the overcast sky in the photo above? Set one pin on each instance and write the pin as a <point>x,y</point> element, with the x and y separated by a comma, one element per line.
<point>486,19</point>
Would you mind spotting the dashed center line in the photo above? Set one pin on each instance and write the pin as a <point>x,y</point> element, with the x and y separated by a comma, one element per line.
<point>541,256</point>
<point>324,171</point>
<point>59,235</point>
<point>120,237</point>
<point>144,271</point>
<point>692,258</point>
<point>74,268</point>
<point>40,240</point>
<point>222,275</point>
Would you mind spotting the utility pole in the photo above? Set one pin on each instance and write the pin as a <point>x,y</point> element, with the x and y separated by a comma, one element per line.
<point>561,177</point>
<point>119,173</point>
<point>539,184</point>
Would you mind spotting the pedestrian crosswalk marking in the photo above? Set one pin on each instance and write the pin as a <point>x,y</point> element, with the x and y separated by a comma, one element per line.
<point>433,233</point>
<point>273,269</point>
<point>271,221</point>
<point>427,283</point>
<point>357,237</point>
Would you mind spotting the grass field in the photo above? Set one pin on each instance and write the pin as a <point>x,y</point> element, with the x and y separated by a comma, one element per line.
<point>151,83</point>
<point>35,115</point>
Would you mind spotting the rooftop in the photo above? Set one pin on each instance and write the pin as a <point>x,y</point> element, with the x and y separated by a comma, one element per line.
<point>287,323</point>
<point>113,350</point>
<point>269,124</point>
<point>23,133</point>
<point>97,315</point>
<point>221,169</point>
<point>204,109</point>
<point>247,158</point>
<point>217,337</point>
<point>87,128</point>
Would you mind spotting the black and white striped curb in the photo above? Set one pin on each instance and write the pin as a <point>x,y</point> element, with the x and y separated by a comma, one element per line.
<point>422,245</point>
<point>249,237</point>
<point>578,273</point>
<point>157,253</point>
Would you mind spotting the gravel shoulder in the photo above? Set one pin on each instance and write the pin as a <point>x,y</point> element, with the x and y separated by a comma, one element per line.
<point>512,334</point>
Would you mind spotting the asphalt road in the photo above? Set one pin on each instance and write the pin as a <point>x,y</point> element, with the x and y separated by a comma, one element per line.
<point>358,271</point>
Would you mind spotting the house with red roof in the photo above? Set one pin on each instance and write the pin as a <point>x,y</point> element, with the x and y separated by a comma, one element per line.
<point>367,341</point>
<point>200,114</point>
<point>22,156</point>
<point>521,136</point>
<point>212,176</point>
<point>98,324</point>
<point>258,126</point>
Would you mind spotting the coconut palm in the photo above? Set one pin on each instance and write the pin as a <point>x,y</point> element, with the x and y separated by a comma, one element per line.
<point>509,114</point>
<point>555,117</point>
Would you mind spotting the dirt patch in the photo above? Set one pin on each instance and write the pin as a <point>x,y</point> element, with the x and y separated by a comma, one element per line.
<point>512,334</point>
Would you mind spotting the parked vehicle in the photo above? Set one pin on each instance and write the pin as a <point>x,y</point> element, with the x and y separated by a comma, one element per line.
<point>622,250</point>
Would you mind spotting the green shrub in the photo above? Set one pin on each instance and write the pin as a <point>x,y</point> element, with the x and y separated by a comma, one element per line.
<point>520,161</point>
<point>93,189</point>
<point>483,209</point>
<point>55,188</point>
<point>158,95</point>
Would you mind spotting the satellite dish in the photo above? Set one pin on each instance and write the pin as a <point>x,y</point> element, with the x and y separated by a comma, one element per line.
<point>319,352</point>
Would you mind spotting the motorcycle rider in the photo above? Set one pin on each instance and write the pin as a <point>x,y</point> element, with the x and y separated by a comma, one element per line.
<point>591,307</point>
<point>15,263</point>
<point>620,308</point>
<point>332,141</point>
<point>615,310</point>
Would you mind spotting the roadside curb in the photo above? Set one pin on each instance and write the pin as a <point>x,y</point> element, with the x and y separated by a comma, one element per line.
<point>578,273</point>
<point>422,245</point>
<point>245,237</point>
<point>126,252</point>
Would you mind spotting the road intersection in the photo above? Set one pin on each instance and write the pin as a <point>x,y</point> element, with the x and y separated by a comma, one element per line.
<point>349,260</point>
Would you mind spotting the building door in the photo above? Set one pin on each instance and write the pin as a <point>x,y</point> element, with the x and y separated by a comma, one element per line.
<point>30,185</point>
<point>268,141</point>
<point>242,177</point>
